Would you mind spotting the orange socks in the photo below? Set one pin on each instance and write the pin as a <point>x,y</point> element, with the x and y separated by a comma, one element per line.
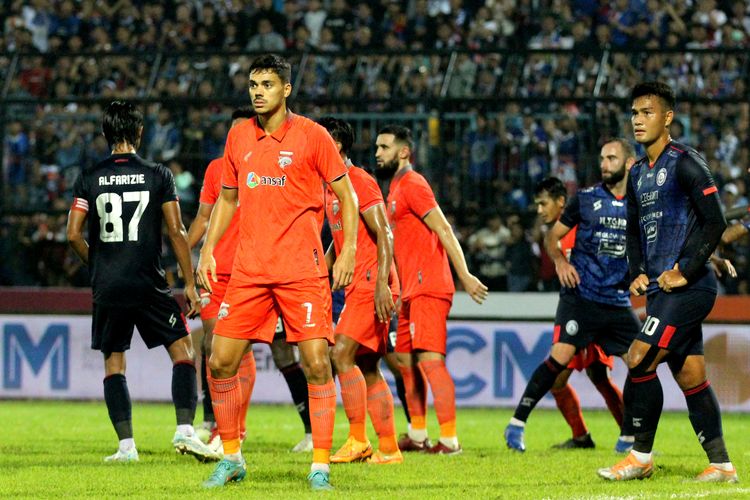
<point>380,408</point>
<point>416,397</point>
<point>354,397</point>
<point>226,395</point>
<point>613,398</point>
<point>246,373</point>
<point>322,414</point>
<point>570,406</point>
<point>443,395</point>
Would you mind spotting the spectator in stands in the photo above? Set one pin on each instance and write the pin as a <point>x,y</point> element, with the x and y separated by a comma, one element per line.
<point>487,249</point>
<point>163,137</point>
<point>266,39</point>
<point>519,258</point>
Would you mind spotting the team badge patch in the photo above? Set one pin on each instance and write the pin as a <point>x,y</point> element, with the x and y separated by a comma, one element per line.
<point>412,328</point>
<point>223,310</point>
<point>335,207</point>
<point>393,207</point>
<point>571,327</point>
<point>284,161</point>
<point>661,177</point>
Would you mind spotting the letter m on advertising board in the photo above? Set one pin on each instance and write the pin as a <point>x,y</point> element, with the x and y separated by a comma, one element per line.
<point>19,347</point>
<point>510,353</point>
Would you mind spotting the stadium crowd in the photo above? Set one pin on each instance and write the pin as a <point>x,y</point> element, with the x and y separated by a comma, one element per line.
<point>370,57</point>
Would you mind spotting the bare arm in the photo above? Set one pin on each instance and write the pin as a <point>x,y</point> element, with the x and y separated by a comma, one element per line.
<point>200,224</point>
<point>343,268</point>
<point>376,221</point>
<point>178,239</point>
<point>76,220</point>
<point>733,233</point>
<point>566,273</point>
<point>437,222</point>
<point>221,217</point>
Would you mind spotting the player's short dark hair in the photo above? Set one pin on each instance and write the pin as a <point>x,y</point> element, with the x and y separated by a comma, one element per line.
<point>275,64</point>
<point>243,112</point>
<point>340,130</point>
<point>658,89</point>
<point>553,186</point>
<point>122,122</point>
<point>401,134</point>
<point>627,147</point>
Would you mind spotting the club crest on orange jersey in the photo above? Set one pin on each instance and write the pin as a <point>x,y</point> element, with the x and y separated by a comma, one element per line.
<point>285,158</point>
<point>393,207</point>
<point>335,207</point>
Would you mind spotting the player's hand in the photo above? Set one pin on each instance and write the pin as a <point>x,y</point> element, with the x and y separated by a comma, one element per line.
<point>206,266</point>
<point>343,269</point>
<point>722,266</point>
<point>193,301</point>
<point>669,280</point>
<point>639,285</point>
<point>384,305</point>
<point>477,290</point>
<point>566,273</point>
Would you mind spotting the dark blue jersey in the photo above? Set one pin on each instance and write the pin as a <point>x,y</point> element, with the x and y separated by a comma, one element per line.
<point>599,251</point>
<point>674,217</point>
<point>123,196</point>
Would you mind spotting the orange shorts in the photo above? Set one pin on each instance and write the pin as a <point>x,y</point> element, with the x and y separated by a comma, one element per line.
<point>422,324</point>
<point>210,304</point>
<point>591,354</point>
<point>359,322</point>
<point>250,311</point>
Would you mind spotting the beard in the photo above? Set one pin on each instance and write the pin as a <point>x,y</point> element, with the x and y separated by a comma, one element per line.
<point>386,171</point>
<point>614,177</point>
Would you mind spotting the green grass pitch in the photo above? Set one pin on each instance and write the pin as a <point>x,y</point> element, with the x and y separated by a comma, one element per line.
<point>55,449</point>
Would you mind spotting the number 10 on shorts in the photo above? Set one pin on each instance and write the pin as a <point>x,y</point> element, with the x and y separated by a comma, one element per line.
<point>650,325</point>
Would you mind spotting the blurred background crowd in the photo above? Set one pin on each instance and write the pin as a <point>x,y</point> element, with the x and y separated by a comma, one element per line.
<point>499,94</point>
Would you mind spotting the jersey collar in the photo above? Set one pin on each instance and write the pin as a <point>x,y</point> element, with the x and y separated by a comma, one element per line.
<point>403,172</point>
<point>280,132</point>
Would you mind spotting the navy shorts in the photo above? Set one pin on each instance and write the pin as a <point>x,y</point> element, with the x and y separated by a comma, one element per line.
<point>674,320</point>
<point>280,332</point>
<point>390,344</point>
<point>580,322</point>
<point>160,322</point>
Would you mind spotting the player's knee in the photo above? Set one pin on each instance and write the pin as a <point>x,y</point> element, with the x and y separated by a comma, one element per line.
<point>221,366</point>
<point>341,358</point>
<point>640,361</point>
<point>317,370</point>
<point>563,354</point>
<point>182,349</point>
<point>282,353</point>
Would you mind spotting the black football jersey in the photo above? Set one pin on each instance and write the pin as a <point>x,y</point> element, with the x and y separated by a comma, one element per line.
<point>123,196</point>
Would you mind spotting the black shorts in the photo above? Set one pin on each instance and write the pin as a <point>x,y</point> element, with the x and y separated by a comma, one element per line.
<point>579,322</point>
<point>390,344</point>
<point>280,333</point>
<point>674,320</point>
<point>160,322</point>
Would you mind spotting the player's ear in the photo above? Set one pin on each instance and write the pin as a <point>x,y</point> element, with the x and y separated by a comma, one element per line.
<point>629,163</point>
<point>668,117</point>
<point>404,153</point>
<point>287,89</point>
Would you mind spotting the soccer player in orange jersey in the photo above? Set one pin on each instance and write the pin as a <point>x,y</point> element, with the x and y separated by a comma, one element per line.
<point>362,329</point>
<point>423,243</point>
<point>274,166</point>
<point>283,353</point>
<point>224,255</point>
<point>550,196</point>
